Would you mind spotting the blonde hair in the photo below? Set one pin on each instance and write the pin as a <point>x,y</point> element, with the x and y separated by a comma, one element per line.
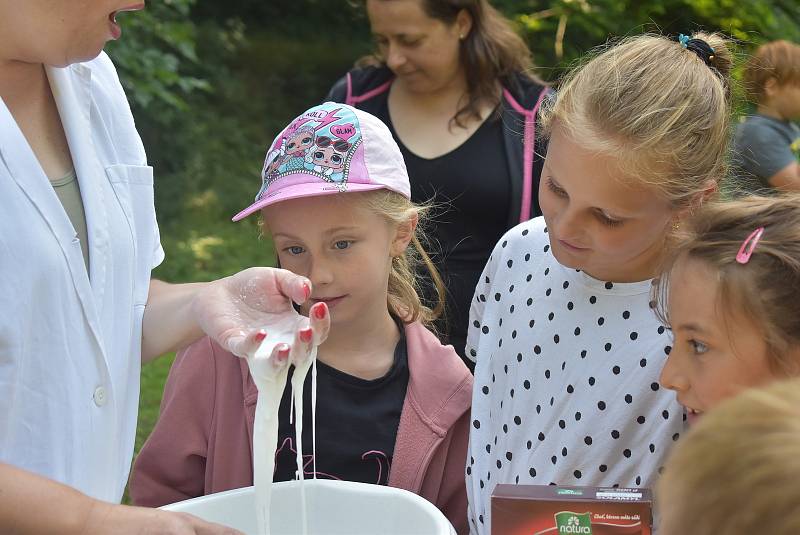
<point>766,289</point>
<point>736,471</point>
<point>404,281</point>
<point>778,60</point>
<point>404,287</point>
<point>656,107</point>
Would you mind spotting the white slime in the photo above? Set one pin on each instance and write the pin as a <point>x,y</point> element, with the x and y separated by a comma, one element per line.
<point>270,379</point>
<point>298,380</point>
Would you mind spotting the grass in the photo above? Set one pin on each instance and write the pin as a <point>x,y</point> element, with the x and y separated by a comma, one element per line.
<point>154,375</point>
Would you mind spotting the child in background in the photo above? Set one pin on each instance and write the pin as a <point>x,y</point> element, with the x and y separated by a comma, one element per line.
<point>736,472</point>
<point>767,144</point>
<point>567,345</point>
<point>393,403</point>
<point>732,298</point>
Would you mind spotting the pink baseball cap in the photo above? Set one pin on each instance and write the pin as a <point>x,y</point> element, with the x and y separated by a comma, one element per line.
<point>331,148</point>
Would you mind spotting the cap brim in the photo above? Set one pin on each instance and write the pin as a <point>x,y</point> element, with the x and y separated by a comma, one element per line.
<point>305,190</point>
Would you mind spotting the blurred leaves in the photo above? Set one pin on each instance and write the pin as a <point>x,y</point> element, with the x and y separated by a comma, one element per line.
<point>211,83</point>
<point>157,55</point>
<point>592,22</point>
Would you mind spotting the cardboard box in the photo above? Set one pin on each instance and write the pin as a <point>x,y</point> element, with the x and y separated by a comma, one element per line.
<point>552,510</point>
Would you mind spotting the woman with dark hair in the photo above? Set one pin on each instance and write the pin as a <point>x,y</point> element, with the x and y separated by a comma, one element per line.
<point>455,85</point>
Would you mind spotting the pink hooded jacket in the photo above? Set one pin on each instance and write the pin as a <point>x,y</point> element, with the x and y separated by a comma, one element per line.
<point>203,440</point>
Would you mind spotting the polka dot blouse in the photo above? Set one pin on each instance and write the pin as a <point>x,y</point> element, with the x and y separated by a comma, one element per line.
<point>566,375</point>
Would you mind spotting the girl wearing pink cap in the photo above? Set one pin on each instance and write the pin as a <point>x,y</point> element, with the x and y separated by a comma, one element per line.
<point>393,402</point>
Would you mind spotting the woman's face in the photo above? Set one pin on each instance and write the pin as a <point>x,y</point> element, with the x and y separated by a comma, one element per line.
<point>59,32</point>
<point>422,52</point>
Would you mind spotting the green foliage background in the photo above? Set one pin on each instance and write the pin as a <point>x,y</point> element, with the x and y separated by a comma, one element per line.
<point>211,83</point>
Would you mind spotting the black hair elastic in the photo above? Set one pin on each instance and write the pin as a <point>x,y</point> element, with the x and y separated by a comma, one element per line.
<point>703,50</point>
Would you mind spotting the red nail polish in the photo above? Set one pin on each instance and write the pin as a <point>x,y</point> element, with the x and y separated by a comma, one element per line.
<point>283,352</point>
<point>305,334</point>
<point>260,335</point>
<point>306,290</point>
<point>321,311</point>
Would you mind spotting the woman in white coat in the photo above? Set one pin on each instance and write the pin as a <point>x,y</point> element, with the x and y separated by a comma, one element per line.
<point>78,310</point>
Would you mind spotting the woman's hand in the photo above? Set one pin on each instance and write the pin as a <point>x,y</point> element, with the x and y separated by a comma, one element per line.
<point>239,311</point>
<point>125,520</point>
<point>32,504</point>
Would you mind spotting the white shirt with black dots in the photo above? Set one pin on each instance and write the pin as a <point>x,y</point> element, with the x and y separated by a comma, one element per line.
<point>566,387</point>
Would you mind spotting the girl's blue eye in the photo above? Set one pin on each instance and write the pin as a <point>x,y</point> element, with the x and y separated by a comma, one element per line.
<point>342,244</point>
<point>295,249</point>
<point>699,348</point>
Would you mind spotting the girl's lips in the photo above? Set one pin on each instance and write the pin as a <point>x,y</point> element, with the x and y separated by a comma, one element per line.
<point>692,415</point>
<point>567,245</point>
<point>330,301</point>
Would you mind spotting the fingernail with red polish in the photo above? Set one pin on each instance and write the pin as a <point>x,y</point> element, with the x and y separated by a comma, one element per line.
<point>283,352</point>
<point>306,290</point>
<point>321,311</point>
<point>305,334</point>
<point>260,335</point>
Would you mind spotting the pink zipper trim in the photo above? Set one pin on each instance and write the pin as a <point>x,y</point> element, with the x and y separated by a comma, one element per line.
<point>528,142</point>
<point>353,100</point>
<point>349,98</point>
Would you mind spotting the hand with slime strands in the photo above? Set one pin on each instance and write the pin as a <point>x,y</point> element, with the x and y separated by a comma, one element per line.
<point>240,311</point>
<point>290,340</point>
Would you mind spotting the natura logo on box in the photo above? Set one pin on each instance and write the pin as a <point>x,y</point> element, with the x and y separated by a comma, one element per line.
<point>569,522</point>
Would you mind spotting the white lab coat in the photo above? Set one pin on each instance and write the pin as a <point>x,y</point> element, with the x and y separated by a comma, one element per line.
<point>70,342</point>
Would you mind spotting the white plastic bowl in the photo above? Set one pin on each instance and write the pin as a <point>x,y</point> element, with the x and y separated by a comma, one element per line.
<point>334,508</point>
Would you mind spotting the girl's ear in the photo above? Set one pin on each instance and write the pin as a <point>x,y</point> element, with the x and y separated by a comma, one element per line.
<point>403,235</point>
<point>708,193</point>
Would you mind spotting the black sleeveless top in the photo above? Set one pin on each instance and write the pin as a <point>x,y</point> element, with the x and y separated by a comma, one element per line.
<point>470,187</point>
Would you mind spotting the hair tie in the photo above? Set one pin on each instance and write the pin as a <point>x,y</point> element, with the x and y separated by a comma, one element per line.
<point>703,50</point>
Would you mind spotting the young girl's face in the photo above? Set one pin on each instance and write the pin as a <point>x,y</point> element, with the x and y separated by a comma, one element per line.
<point>597,221</point>
<point>342,247</point>
<point>716,353</point>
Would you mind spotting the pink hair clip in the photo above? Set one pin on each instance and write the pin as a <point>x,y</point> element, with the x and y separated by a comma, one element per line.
<point>749,245</point>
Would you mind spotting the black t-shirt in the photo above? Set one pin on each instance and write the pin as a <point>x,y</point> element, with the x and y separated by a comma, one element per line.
<point>471,186</point>
<point>357,424</point>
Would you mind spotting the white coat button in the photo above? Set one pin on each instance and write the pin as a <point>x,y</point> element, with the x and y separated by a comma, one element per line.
<point>100,396</point>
